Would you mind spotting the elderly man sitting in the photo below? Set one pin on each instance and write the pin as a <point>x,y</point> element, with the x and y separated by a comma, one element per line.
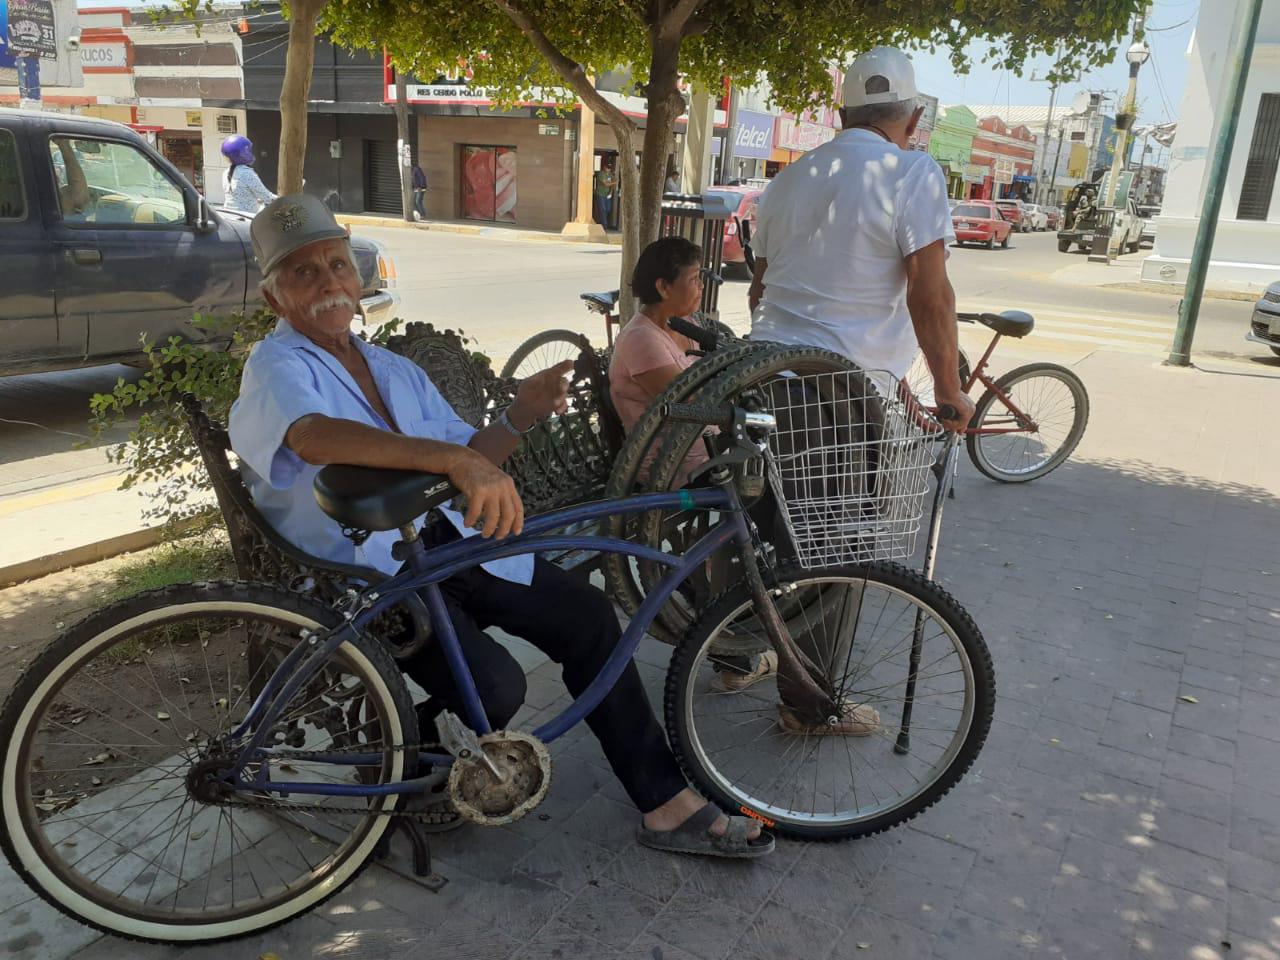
<point>312,394</point>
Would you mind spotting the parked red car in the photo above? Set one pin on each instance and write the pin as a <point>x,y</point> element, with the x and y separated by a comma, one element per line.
<point>1054,216</point>
<point>742,202</point>
<point>980,221</point>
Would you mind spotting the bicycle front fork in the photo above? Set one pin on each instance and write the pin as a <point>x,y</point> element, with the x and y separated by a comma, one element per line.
<point>951,451</point>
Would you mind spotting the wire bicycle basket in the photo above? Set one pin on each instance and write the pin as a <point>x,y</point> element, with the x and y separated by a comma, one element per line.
<point>849,465</point>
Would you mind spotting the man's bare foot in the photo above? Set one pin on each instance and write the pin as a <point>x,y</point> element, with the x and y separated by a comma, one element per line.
<point>680,808</point>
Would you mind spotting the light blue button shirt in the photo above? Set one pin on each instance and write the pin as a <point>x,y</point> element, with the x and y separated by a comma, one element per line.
<point>287,377</point>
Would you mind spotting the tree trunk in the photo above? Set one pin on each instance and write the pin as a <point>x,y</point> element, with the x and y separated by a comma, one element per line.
<point>294,92</point>
<point>631,216</point>
<point>664,105</point>
<point>403,157</point>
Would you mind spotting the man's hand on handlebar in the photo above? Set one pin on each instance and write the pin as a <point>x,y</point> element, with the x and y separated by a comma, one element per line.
<point>955,409</point>
<point>493,506</point>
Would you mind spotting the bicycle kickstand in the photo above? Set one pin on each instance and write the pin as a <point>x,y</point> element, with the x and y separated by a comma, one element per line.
<point>422,868</point>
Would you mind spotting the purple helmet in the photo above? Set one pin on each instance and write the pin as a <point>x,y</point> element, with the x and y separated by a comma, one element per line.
<point>238,149</point>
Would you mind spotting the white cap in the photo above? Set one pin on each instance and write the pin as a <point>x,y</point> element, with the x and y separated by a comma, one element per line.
<point>882,75</point>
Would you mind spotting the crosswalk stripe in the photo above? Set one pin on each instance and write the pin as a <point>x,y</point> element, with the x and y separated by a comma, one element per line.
<point>1091,317</point>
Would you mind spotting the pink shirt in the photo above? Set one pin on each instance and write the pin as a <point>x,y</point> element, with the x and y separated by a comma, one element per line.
<point>640,348</point>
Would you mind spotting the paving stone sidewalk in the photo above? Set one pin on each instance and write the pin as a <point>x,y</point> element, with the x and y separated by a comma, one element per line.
<point>1126,805</point>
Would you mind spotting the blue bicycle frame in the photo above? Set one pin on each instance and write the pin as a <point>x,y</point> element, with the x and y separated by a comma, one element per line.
<point>422,576</point>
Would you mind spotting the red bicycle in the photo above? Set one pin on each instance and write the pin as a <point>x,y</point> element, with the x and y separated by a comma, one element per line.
<point>1029,420</point>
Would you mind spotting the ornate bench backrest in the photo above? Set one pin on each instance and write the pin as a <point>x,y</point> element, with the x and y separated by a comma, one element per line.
<point>565,459</point>
<point>260,553</point>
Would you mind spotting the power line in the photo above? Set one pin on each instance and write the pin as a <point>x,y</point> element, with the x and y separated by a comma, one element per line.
<point>1164,98</point>
<point>1175,26</point>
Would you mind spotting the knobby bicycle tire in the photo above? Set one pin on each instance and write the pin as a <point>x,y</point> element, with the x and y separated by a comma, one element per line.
<point>1080,419</point>
<point>763,365</point>
<point>624,479</point>
<point>41,682</point>
<point>684,683</point>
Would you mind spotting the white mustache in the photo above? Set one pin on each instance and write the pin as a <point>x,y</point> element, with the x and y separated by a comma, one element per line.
<point>338,300</point>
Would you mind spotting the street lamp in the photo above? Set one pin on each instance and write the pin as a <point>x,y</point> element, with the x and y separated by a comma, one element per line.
<point>1137,54</point>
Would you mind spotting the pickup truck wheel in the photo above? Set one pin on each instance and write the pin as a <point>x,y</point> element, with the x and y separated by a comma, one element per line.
<point>1004,244</point>
<point>991,242</point>
<point>1276,351</point>
<point>1064,246</point>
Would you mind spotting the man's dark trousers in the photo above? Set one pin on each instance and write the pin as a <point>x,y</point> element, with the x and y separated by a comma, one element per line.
<point>574,624</point>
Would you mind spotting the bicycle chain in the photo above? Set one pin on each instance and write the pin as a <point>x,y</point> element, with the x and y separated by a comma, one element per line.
<point>430,817</point>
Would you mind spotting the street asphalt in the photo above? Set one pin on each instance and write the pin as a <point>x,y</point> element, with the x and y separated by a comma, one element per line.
<point>501,291</point>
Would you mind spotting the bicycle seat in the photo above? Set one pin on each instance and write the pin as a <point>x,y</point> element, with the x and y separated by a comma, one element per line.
<point>368,498</point>
<point>602,302</point>
<point>1010,323</point>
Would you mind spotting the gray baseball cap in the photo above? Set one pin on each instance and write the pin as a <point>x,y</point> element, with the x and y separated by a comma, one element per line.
<point>289,223</point>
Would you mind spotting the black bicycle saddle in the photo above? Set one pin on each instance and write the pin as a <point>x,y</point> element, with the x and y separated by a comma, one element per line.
<point>369,498</point>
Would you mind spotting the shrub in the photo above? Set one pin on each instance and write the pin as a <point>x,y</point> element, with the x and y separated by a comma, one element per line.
<point>160,447</point>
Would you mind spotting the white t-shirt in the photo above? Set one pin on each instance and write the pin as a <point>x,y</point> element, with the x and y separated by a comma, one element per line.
<point>835,227</point>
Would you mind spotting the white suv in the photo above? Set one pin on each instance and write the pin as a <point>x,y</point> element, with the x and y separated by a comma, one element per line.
<point>1036,216</point>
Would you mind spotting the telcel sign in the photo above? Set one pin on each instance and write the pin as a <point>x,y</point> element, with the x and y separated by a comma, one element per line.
<point>753,135</point>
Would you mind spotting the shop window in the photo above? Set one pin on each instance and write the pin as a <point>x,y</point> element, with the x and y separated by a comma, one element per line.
<point>1260,170</point>
<point>13,204</point>
<point>489,183</point>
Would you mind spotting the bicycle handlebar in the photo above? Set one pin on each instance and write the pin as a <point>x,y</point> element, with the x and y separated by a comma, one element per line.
<point>718,414</point>
<point>704,338</point>
<point>947,412</point>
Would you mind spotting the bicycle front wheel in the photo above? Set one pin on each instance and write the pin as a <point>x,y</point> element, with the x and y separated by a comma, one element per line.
<point>543,351</point>
<point>901,654</point>
<point>1046,393</point>
<point>109,733</point>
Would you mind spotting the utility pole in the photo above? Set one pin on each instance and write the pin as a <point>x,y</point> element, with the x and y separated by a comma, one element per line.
<point>1057,157</point>
<point>1042,194</point>
<point>403,151</point>
<point>1193,293</point>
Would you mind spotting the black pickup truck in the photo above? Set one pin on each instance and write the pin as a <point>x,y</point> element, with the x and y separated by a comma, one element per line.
<point>103,240</point>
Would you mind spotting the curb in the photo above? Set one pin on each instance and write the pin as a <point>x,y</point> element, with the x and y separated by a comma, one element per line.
<point>470,230</point>
<point>87,553</point>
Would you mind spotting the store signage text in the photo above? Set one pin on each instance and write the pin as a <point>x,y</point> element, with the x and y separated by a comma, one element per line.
<point>104,56</point>
<point>801,134</point>
<point>31,28</point>
<point>452,93</point>
<point>752,134</point>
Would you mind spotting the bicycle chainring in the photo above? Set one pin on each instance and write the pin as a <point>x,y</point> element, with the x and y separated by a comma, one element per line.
<point>525,766</point>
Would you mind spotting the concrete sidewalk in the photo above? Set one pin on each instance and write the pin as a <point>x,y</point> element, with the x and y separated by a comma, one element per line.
<point>491,231</point>
<point>1126,805</point>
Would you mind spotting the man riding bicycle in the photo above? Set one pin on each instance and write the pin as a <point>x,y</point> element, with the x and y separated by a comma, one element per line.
<point>851,240</point>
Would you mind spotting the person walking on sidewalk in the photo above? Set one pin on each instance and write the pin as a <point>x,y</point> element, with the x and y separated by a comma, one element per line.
<point>851,240</point>
<point>419,192</point>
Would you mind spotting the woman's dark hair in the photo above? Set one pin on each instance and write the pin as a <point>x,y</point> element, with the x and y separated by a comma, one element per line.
<point>663,259</point>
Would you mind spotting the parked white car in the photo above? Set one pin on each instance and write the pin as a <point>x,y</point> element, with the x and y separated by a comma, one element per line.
<point>1037,216</point>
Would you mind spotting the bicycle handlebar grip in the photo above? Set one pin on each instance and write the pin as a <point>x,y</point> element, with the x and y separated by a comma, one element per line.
<point>704,338</point>
<point>947,412</point>
<point>720,415</point>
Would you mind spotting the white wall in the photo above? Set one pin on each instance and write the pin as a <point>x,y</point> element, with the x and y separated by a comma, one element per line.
<point>1246,253</point>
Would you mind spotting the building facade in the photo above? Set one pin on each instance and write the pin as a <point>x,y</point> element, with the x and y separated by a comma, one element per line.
<point>1008,152</point>
<point>161,77</point>
<point>1246,250</point>
<point>951,144</point>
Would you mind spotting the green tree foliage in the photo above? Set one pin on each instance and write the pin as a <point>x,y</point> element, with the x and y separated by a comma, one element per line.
<point>516,46</point>
<point>160,448</point>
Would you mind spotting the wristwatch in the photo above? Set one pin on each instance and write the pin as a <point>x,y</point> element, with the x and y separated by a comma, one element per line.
<point>505,422</point>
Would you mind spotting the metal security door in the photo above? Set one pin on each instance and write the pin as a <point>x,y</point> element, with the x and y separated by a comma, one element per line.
<point>381,178</point>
